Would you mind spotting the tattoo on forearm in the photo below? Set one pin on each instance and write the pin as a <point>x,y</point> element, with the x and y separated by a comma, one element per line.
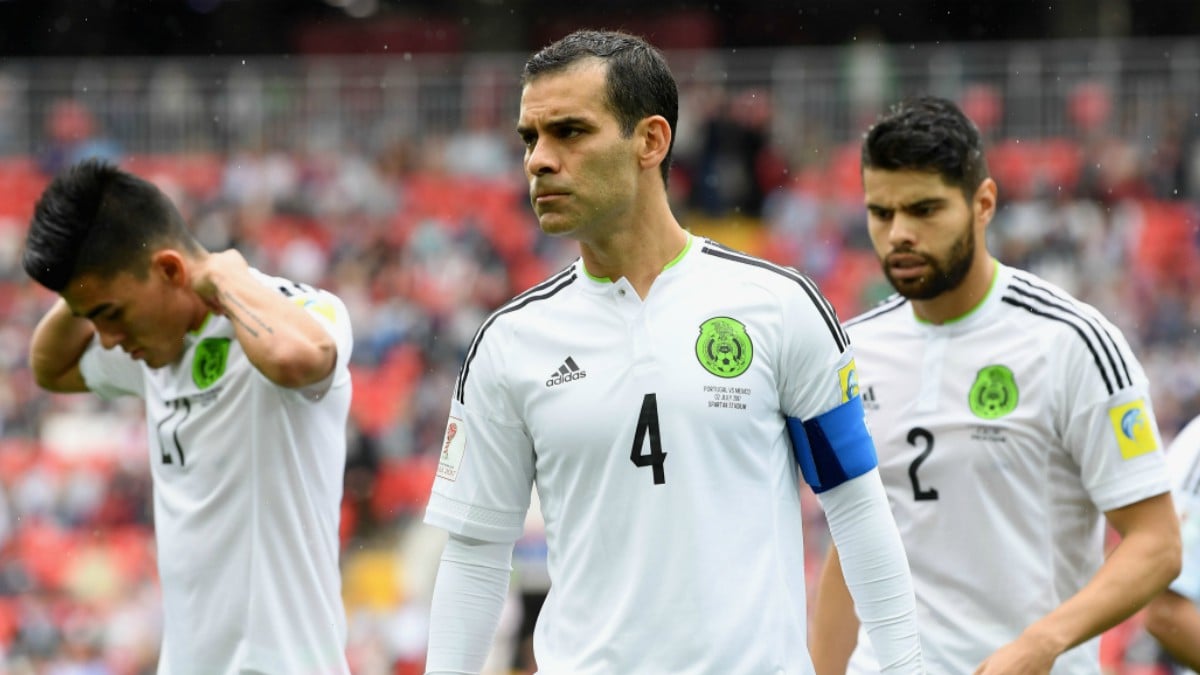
<point>229,300</point>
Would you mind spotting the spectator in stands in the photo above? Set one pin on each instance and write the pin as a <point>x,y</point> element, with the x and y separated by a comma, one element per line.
<point>73,135</point>
<point>246,390</point>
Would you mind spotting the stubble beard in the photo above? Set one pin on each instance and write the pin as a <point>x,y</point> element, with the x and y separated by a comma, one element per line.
<point>945,275</point>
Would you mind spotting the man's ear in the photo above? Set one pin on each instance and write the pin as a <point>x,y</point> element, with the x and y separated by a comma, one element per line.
<point>655,133</point>
<point>171,266</point>
<point>984,203</point>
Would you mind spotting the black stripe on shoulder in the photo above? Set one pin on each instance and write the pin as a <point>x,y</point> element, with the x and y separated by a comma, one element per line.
<point>1038,311</point>
<point>889,304</point>
<point>1097,336</point>
<point>822,304</point>
<point>541,291</point>
<point>1108,342</point>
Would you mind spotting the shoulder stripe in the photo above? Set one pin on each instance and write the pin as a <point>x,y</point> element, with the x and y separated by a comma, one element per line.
<point>819,301</point>
<point>1074,324</point>
<point>1097,336</point>
<point>889,304</point>
<point>541,291</point>
<point>1098,330</point>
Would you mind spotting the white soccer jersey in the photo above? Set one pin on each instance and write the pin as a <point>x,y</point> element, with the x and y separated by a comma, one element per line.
<point>1002,437</point>
<point>247,491</point>
<point>655,432</point>
<point>1183,459</point>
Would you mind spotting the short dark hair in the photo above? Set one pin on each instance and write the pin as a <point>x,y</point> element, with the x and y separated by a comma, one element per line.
<point>94,218</point>
<point>931,134</point>
<point>638,82</point>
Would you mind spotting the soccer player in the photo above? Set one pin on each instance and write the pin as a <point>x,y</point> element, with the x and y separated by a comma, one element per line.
<point>1008,417</point>
<point>664,393</point>
<point>246,390</point>
<point>1173,618</point>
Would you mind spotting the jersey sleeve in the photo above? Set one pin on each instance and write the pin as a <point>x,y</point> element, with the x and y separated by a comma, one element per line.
<point>330,312</point>
<point>110,372</point>
<point>486,463</point>
<point>1109,425</point>
<point>816,366</point>
<point>1183,459</point>
<point>819,393</point>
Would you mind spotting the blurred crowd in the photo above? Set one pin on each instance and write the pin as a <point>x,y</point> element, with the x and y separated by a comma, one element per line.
<point>424,237</point>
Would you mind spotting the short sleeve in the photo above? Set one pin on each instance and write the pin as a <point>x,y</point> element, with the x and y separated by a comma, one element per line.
<point>1109,425</point>
<point>486,463</point>
<point>110,373</point>
<point>816,366</point>
<point>329,311</point>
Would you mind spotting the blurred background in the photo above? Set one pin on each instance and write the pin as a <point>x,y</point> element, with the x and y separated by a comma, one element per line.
<point>367,146</point>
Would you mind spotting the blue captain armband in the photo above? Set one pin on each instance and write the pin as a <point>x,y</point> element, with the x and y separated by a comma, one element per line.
<point>833,447</point>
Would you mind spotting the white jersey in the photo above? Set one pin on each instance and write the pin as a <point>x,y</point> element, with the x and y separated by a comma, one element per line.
<point>1002,437</point>
<point>247,491</point>
<point>1183,459</point>
<point>655,432</point>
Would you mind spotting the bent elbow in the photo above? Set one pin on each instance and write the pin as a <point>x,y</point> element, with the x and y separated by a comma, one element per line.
<point>301,367</point>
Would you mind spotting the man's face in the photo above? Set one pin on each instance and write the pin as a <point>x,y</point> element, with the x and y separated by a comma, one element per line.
<point>141,316</point>
<point>582,172</point>
<point>923,231</point>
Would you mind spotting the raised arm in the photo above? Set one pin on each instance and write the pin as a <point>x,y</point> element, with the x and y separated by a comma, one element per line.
<point>55,348</point>
<point>280,338</point>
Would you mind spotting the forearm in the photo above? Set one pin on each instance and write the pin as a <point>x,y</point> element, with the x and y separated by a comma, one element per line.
<point>1174,621</point>
<point>1138,568</point>
<point>468,596</point>
<point>278,336</point>
<point>57,343</point>
<point>834,630</point>
<point>875,569</point>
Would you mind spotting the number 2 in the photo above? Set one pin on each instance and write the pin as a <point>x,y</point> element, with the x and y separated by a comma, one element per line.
<point>914,435</point>
<point>647,425</point>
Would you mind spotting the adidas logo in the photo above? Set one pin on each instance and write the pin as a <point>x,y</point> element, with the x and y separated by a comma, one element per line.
<point>569,371</point>
<point>868,398</point>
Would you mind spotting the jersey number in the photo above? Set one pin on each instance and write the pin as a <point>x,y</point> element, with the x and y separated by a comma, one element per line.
<point>168,429</point>
<point>647,425</point>
<point>916,436</point>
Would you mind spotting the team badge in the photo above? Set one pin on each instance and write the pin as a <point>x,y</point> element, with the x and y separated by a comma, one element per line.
<point>724,348</point>
<point>1131,425</point>
<point>994,393</point>
<point>208,365</point>
<point>322,307</point>
<point>452,450</point>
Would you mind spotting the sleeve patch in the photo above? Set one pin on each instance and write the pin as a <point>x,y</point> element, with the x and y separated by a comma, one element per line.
<point>321,307</point>
<point>848,379</point>
<point>452,449</point>
<point>1131,425</point>
<point>834,447</point>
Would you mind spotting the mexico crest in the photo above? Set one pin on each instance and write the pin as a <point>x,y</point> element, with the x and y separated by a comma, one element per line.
<point>724,348</point>
<point>994,393</point>
<point>208,364</point>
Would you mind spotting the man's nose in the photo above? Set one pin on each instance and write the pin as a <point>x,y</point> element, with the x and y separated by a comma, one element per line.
<point>110,338</point>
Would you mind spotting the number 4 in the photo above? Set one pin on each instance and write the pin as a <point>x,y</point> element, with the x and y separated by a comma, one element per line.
<point>647,424</point>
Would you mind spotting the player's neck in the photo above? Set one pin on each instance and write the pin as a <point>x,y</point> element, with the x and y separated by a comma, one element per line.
<point>638,253</point>
<point>963,299</point>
